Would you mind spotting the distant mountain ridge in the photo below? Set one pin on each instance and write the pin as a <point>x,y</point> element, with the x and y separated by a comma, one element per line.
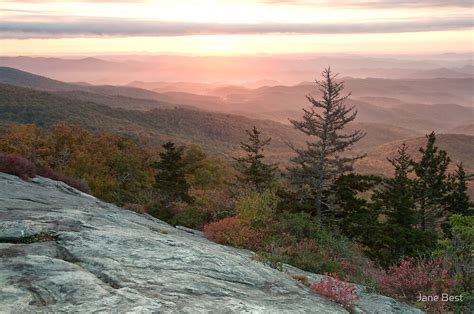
<point>108,109</point>
<point>25,79</point>
<point>439,73</point>
<point>219,132</point>
<point>115,96</point>
<point>232,69</point>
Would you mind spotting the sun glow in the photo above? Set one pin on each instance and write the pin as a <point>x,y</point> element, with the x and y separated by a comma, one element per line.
<point>335,18</point>
<point>432,42</point>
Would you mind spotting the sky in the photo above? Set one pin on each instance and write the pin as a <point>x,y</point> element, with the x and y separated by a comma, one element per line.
<point>235,27</point>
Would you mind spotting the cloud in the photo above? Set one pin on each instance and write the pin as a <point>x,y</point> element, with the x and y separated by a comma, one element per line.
<point>376,3</point>
<point>327,3</point>
<point>94,27</point>
<point>97,1</point>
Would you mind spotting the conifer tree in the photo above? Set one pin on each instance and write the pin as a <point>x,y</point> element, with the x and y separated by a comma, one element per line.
<point>396,201</point>
<point>458,199</point>
<point>431,184</point>
<point>316,167</point>
<point>170,180</point>
<point>252,168</point>
<point>354,215</point>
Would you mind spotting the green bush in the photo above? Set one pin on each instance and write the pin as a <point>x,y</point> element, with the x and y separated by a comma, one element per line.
<point>258,209</point>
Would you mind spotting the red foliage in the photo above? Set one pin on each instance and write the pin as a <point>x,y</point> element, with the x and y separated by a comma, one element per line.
<point>25,169</point>
<point>79,184</point>
<point>17,165</point>
<point>302,246</point>
<point>411,278</point>
<point>232,231</point>
<point>336,289</point>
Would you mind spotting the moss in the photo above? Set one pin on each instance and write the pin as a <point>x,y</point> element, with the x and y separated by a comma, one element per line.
<point>39,237</point>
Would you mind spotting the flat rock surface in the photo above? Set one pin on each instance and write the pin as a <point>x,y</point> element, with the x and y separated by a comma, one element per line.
<point>109,259</point>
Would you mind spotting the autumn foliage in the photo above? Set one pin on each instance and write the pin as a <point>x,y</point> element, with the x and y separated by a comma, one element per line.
<point>79,184</point>
<point>411,277</point>
<point>233,231</point>
<point>25,169</point>
<point>17,165</point>
<point>336,289</point>
<point>115,168</point>
<point>271,220</point>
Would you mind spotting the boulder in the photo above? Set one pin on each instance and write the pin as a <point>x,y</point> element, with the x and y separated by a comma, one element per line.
<point>63,250</point>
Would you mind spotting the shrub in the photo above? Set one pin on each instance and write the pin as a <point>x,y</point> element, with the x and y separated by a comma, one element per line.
<point>411,278</point>
<point>79,184</point>
<point>191,216</point>
<point>362,270</point>
<point>336,289</point>
<point>301,225</point>
<point>215,204</point>
<point>140,209</point>
<point>309,255</point>
<point>458,248</point>
<point>233,231</point>
<point>258,209</point>
<point>17,165</point>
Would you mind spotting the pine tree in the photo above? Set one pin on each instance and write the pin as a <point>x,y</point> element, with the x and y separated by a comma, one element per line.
<point>431,184</point>
<point>251,167</point>
<point>316,167</point>
<point>354,215</point>
<point>396,202</point>
<point>458,199</point>
<point>170,180</point>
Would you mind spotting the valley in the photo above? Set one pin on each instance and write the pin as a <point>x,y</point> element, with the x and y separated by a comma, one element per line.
<point>217,119</point>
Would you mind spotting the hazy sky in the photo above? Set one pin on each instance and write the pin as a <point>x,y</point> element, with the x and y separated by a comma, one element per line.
<point>33,27</point>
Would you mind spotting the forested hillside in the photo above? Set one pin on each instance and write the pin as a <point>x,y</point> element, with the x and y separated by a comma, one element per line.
<point>291,194</point>
<point>217,132</point>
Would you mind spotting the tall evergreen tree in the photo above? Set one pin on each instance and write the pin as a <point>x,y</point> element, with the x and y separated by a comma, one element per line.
<point>396,202</point>
<point>354,215</point>
<point>458,199</point>
<point>316,167</point>
<point>431,184</point>
<point>170,180</point>
<point>251,167</point>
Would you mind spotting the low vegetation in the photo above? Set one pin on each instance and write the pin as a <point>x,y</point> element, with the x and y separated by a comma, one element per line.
<point>25,169</point>
<point>406,235</point>
<point>336,289</point>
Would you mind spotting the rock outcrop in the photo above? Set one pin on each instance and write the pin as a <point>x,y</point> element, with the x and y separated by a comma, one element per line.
<point>62,250</point>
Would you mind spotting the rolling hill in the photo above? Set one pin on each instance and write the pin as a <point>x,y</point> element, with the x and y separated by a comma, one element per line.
<point>16,77</point>
<point>439,73</point>
<point>467,129</point>
<point>266,69</point>
<point>217,132</point>
<point>220,133</point>
<point>460,148</point>
<point>374,99</point>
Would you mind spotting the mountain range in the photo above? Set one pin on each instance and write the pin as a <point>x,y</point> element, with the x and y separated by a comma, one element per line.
<point>251,71</point>
<point>187,118</point>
